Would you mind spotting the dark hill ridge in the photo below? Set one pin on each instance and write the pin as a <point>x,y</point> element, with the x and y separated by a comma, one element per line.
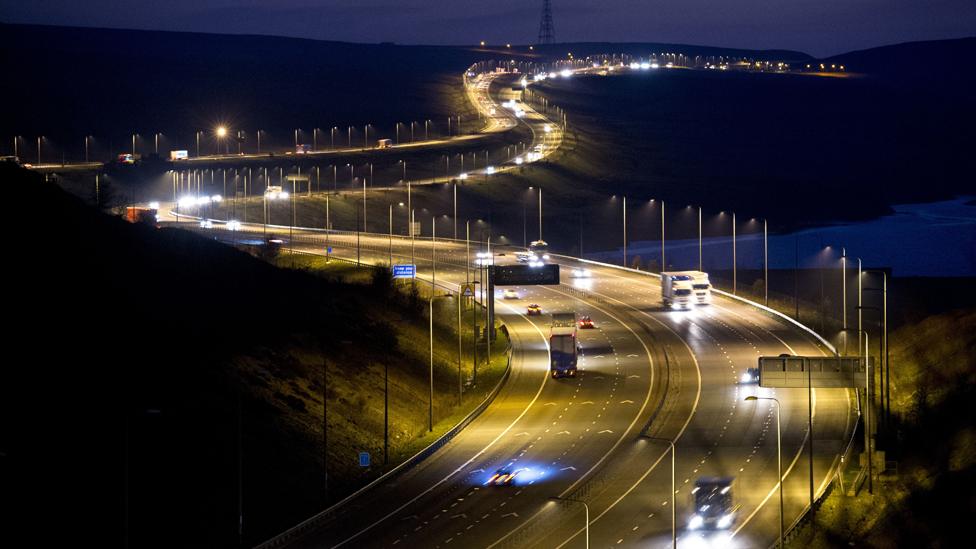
<point>913,59</point>
<point>128,337</point>
<point>110,83</point>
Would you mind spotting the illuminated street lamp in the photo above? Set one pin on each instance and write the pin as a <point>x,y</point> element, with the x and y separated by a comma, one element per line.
<point>779,461</point>
<point>221,134</point>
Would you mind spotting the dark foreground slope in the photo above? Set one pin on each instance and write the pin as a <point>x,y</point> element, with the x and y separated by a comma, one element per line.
<point>155,381</point>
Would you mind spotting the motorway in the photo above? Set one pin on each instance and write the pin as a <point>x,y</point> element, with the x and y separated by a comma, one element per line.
<point>667,374</point>
<point>675,371</point>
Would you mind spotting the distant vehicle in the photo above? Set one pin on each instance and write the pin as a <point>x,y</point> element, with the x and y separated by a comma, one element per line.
<point>751,376</point>
<point>137,214</point>
<point>524,257</point>
<point>533,309</point>
<point>510,294</point>
<point>676,290</point>
<point>586,323</point>
<point>233,225</point>
<point>12,159</point>
<point>504,477</point>
<point>178,155</point>
<point>274,192</point>
<point>206,224</point>
<point>581,273</point>
<point>540,248</point>
<point>714,504</point>
<point>384,144</point>
<point>128,159</point>
<point>564,347</point>
<point>302,148</point>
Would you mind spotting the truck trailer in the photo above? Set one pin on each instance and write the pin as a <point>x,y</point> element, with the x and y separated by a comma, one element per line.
<point>564,348</point>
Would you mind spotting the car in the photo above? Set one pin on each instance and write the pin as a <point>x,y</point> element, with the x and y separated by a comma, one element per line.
<point>751,376</point>
<point>206,224</point>
<point>586,323</point>
<point>510,294</point>
<point>504,477</point>
<point>533,309</point>
<point>581,273</point>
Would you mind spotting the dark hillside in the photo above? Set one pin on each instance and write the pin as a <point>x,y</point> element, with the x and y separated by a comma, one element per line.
<point>122,385</point>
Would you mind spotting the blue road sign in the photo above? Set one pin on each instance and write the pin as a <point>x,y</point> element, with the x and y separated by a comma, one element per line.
<point>404,271</point>
<point>329,249</point>
<point>364,459</point>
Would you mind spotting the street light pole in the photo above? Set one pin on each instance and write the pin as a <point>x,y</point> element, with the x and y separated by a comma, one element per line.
<point>587,510</point>
<point>663,268</point>
<point>779,462</point>
<point>433,252</point>
<point>700,239</point>
<point>625,231</point>
<point>430,410</point>
<point>540,213</point>
<point>766,267</point>
<point>674,532</point>
<point>735,281</point>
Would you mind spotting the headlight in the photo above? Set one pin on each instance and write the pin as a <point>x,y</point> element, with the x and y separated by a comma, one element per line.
<point>725,521</point>
<point>746,378</point>
<point>695,522</point>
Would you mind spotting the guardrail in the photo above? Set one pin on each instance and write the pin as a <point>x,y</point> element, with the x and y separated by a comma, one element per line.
<point>333,511</point>
<point>836,468</point>
<point>303,527</point>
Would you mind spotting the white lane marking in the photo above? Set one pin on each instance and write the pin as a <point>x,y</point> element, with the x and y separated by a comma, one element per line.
<point>545,378</point>
<point>647,398</point>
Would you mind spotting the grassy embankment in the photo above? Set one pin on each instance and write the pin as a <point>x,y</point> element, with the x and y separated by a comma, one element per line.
<point>929,503</point>
<point>157,362</point>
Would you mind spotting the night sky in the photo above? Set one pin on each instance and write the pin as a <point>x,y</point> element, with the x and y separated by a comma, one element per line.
<point>818,27</point>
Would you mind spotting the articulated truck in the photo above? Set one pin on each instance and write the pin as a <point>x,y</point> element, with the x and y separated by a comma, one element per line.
<point>682,289</point>
<point>564,346</point>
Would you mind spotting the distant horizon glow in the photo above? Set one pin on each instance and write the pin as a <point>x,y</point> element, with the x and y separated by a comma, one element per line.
<point>821,29</point>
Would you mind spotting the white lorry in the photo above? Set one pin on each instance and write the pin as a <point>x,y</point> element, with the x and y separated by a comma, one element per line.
<point>701,287</point>
<point>676,290</point>
<point>682,289</point>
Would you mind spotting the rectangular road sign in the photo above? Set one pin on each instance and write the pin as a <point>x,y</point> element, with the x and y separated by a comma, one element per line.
<point>364,459</point>
<point>404,271</point>
<point>819,371</point>
<point>524,275</point>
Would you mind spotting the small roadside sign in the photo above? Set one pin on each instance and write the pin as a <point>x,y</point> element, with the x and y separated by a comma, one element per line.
<point>329,249</point>
<point>364,459</point>
<point>404,271</point>
<point>467,290</point>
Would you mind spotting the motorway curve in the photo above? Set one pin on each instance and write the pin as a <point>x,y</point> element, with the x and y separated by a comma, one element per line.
<point>667,374</point>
